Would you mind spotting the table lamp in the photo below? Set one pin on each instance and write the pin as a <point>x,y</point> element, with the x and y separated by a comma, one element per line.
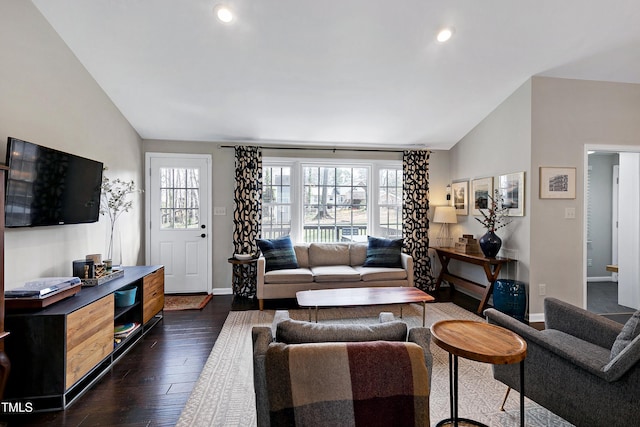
<point>444,215</point>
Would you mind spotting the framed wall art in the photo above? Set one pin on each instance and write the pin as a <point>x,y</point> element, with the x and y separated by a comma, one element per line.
<point>511,188</point>
<point>459,194</point>
<point>557,183</point>
<point>481,189</point>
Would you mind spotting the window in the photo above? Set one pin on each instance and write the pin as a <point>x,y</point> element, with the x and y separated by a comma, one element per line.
<point>276,201</point>
<point>179,198</point>
<point>331,201</point>
<point>390,203</point>
<point>335,203</point>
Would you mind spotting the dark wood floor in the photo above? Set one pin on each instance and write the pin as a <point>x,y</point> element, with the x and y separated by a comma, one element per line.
<point>151,384</point>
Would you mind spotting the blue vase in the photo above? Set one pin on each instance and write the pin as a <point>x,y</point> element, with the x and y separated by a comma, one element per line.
<point>490,244</point>
<point>510,297</point>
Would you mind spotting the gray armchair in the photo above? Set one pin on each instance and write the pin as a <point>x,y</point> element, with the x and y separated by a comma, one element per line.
<point>570,368</point>
<point>273,379</point>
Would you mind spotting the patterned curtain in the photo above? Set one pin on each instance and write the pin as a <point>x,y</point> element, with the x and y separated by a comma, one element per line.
<point>415,205</point>
<point>247,216</point>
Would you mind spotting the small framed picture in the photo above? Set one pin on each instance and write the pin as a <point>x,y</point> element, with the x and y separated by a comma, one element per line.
<point>511,188</point>
<point>557,183</point>
<point>481,189</point>
<point>459,194</point>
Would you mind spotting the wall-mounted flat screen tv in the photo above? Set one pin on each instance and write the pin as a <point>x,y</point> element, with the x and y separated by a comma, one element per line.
<point>50,187</point>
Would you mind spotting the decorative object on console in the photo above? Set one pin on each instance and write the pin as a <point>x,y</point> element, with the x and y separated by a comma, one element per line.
<point>444,215</point>
<point>115,194</point>
<point>103,277</point>
<point>467,244</point>
<point>84,268</point>
<point>494,218</point>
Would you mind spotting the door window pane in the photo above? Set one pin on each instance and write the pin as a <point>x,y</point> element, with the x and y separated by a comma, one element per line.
<point>179,198</point>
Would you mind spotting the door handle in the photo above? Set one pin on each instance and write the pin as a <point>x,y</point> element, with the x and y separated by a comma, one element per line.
<point>203,235</point>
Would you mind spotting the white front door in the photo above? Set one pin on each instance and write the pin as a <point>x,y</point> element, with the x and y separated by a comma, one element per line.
<point>178,220</point>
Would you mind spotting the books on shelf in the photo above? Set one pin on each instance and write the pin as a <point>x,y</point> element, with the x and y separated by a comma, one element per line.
<point>123,331</point>
<point>40,288</point>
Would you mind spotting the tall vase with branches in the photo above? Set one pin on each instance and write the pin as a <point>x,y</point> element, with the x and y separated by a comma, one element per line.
<point>115,200</point>
<point>495,217</point>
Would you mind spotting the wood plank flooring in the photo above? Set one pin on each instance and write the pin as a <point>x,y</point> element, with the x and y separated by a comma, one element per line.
<point>151,384</point>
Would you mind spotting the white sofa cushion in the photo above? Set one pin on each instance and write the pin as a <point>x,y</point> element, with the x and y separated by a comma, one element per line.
<point>335,273</point>
<point>372,274</point>
<point>298,275</point>
<point>328,254</point>
<point>358,253</point>
<point>302,254</point>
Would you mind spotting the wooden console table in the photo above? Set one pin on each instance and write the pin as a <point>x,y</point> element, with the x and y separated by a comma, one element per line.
<point>491,267</point>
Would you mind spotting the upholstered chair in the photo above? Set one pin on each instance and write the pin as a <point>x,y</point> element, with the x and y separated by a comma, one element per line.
<point>583,367</point>
<point>318,374</point>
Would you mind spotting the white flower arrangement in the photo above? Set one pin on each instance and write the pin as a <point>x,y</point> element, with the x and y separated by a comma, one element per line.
<point>115,201</point>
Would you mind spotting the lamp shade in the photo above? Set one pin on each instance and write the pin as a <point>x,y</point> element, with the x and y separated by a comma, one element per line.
<point>445,215</point>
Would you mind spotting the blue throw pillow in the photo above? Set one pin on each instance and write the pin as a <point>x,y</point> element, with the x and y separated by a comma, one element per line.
<point>278,253</point>
<point>383,252</point>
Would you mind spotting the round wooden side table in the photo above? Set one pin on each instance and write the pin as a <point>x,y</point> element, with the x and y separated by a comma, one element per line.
<point>482,342</point>
<point>244,276</point>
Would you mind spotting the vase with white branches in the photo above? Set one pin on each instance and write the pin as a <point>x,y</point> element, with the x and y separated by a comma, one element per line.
<point>495,217</point>
<point>115,200</point>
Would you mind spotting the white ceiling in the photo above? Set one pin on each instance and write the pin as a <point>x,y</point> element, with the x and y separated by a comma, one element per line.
<point>356,73</point>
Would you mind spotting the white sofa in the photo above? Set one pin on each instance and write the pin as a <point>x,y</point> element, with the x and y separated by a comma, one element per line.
<point>329,266</point>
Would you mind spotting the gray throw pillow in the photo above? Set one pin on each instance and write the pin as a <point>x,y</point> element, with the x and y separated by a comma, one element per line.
<point>630,330</point>
<point>300,332</point>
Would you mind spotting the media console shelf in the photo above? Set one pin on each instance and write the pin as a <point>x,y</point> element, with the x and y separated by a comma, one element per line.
<point>58,352</point>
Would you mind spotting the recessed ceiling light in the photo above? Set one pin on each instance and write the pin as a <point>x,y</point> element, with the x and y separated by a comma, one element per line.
<point>445,34</point>
<point>223,13</point>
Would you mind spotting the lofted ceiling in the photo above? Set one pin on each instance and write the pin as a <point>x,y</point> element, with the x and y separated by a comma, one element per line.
<point>348,73</point>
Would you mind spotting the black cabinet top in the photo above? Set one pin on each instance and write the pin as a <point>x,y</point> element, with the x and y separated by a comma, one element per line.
<point>92,293</point>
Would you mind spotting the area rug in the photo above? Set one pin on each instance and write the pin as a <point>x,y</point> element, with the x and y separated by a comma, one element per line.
<point>185,302</point>
<point>224,395</point>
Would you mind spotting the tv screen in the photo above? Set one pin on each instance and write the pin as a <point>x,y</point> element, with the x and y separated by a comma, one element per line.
<point>50,187</point>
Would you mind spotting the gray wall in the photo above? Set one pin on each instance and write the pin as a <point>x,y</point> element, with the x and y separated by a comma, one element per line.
<point>47,97</point>
<point>548,122</point>
<point>600,213</point>
<point>566,116</point>
<point>500,144</point>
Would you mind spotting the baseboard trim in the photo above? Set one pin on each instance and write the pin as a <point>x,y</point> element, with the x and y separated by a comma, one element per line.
<point>222,291</point>
<point>601,279</point>
<point>536,317</point>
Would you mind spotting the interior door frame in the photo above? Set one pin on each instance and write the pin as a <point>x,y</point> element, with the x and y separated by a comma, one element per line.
<point>147,206</point>
<point>585,200</point>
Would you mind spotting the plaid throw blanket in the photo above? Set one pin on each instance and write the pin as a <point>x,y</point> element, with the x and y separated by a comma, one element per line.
<point>374,383</point>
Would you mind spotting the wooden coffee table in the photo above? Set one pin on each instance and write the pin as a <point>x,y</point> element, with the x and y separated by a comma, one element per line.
<point>346,297</point>
<point>482,342</point>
